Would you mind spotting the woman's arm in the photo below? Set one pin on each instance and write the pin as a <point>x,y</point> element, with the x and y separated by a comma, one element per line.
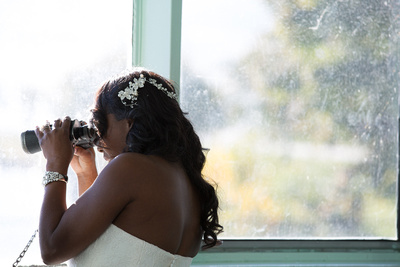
<point>53,208</point>
<point>63,232</point>
<point>84,165</point>
<point>58,151</point>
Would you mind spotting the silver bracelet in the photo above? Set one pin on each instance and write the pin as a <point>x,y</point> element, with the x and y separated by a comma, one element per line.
<point>50,177</point>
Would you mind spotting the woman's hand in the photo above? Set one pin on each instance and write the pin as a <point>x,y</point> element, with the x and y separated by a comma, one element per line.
<point>83,162</point>
<point>84,165</point>
<point>56,145</point>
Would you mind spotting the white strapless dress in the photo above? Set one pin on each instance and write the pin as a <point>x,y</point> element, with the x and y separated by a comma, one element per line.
<point>115,247</point>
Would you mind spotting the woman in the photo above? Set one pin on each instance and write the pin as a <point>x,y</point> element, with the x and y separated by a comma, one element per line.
<point>150,206</point>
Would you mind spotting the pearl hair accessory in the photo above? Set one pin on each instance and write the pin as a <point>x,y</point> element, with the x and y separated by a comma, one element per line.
<point>131,94</point>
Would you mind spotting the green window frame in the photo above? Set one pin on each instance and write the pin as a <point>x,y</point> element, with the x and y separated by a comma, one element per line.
<point>156,37</point>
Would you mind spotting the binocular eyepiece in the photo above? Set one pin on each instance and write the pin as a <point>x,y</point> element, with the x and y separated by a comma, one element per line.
<point>80,135</point>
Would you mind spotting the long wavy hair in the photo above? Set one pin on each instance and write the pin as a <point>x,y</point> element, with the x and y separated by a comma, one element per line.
<point>160,128</point>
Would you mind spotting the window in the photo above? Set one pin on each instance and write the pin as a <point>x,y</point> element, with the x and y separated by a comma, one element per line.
<point>54,54</point>
<point>298,102</point>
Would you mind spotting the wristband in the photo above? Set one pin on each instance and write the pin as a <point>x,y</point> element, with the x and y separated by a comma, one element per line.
<point>50,177</point>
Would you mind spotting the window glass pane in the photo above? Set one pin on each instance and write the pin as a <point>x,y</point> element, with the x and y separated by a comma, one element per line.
<point>297,101</point>
<point>54,54</point>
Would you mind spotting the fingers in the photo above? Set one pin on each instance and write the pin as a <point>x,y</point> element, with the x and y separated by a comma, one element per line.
<point>57,123</point>
<point>66,122</point>
<point>45,129</point>
<point>78,151</point>
<point>62,124</point>
<point>82,152</point>
<point>39,133</point>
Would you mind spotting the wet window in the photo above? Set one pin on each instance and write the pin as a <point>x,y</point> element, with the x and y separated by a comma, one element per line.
<point>298,103</point>
<point>54,55</point>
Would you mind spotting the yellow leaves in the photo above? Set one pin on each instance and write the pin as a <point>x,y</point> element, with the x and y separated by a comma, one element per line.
<point>379,215</point>
<point>307,4</point>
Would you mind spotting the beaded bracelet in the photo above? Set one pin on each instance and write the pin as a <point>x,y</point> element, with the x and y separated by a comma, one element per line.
<point>50,177</point>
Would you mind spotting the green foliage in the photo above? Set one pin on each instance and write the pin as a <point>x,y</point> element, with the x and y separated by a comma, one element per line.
<point>320,160</point>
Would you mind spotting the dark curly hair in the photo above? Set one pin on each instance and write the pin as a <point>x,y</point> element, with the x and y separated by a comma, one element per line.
<point>160,128</point>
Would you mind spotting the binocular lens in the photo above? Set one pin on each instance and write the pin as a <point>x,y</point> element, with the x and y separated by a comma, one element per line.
<point>30,143</point>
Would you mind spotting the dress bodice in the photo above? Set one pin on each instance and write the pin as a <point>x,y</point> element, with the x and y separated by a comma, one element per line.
<point>115,247</point>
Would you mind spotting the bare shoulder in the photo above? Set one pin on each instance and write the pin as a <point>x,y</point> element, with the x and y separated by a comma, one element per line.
<point>128,163</point>
<point>142,175</point>
<point>141,169</point>
<point>130,159</point>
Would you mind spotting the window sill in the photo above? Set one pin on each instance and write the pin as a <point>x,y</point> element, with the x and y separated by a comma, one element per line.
<point>301,253</point>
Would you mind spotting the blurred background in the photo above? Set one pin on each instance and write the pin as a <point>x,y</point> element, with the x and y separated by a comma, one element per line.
<point>296,99</point>
<point>298,102</point>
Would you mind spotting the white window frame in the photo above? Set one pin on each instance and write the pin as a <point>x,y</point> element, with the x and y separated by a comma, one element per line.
<point>156,41</point>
